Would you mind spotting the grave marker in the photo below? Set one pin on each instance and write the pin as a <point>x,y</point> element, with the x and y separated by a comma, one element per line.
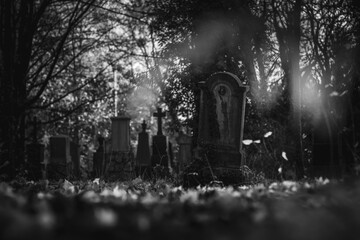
<point>159,114</point>
<point>159,146</point>
<point>221,122</point>
<point>143,158</point>
<point>120,134</point>
<point>119,161</point>
<point>99,159</point>
<point>185,153</point>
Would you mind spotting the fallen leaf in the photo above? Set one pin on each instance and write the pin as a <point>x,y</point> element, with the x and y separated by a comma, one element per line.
<point>283,154</point>
<point>268,134</point>
<point>247,141</point>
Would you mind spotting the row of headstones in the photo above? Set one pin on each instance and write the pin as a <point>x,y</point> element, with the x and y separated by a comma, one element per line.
<point>108,155</point>
<point>221,123</point>
<point>162,151</point>
<point>64,159</point>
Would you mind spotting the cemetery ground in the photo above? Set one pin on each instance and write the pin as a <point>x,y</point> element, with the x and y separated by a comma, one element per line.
<point>161,209</point>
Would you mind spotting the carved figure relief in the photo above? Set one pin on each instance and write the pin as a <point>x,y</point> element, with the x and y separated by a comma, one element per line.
<point>223,96</point>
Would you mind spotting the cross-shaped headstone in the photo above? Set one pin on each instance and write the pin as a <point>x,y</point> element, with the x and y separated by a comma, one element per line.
<point>35,123</point>
<point>159,114</point>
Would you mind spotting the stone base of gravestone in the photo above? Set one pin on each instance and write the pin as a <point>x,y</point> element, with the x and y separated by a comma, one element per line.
<point>159,151</point>
<point>119,166</point>
<point>222,157</point>
<point>35,161</point>
<point>204,170</point>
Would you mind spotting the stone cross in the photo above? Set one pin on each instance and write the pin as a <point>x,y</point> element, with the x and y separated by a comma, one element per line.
<point>159,114</point>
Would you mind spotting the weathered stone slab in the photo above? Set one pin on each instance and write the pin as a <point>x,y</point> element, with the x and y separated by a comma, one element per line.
<point>222,112</point>
<point>143,157</point>
<point>184,156</point>
<point>120,134</point>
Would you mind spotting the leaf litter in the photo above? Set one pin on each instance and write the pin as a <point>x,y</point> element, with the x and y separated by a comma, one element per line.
<point>318,209</point>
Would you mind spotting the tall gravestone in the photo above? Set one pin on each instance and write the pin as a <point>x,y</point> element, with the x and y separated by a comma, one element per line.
<point>119,163</point>
<point>143,158</point>
<point>99,159</point>
<point>60,164</point>
<point>120,134</point>
<point>221,122</point>
<point>35,154</point>
<point>184,156</point>
<point>159,146</point>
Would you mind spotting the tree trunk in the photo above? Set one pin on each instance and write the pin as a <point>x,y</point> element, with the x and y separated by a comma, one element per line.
<point>289,46</point>
<point>295,90</point>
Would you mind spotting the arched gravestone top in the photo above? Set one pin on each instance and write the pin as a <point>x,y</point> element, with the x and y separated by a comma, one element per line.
<point>228,79</point>
<point>222,111</point>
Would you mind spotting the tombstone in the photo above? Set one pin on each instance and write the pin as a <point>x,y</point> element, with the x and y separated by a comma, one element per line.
<point>143,158</point>
<point>99,159</point>
<point>35,155</point>
<point>185,152</point>
<point>159,146</point>
<point>221,122</point>
<point>60,158</point>
<point>119,161</point>
<point>75,159</point>
<point>120,134</point>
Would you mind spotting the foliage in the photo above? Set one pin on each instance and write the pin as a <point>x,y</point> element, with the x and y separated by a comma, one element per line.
<point>77,51</point>
<point>33,36</point>
<point>212,37</point>
<point>71,63</point>
<point>316,209</point>
<point>298,57</point>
